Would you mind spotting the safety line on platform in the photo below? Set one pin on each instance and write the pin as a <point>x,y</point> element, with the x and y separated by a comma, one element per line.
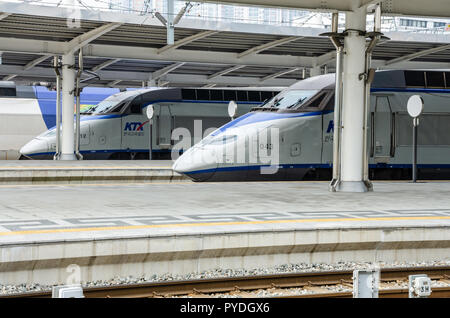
<point>139,227</point>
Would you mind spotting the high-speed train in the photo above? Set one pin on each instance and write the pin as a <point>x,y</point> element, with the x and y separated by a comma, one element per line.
<point>26,111</point>
<point>291,136</point>
<point>118,128</point>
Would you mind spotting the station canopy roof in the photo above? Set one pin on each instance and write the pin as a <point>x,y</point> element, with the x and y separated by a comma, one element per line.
<point>128,49</point>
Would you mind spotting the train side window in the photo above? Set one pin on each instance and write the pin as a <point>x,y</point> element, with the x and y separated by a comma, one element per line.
<point>435,79</point>
<point>7,91</point>
<point>447,79</point>
<point>216,94</point>
<point>136,105</point>
<point>415,78</point>
<point>242,96</point>
<point>254,96</point>
<point>188,94</point>
<point>229,95</point>
<point>203,94</point>
<point>266,95</point>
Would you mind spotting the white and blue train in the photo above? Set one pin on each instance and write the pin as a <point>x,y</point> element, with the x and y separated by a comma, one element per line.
<point>26,111</point>
<point>118,128</point>
<point>302,116</point>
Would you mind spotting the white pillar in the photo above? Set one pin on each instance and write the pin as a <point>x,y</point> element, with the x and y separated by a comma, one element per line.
<point>170,26</point>
<point>352,154</point>
<point>68,102</point>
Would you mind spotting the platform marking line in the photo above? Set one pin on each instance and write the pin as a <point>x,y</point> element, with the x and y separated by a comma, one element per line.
<point>138,227</point>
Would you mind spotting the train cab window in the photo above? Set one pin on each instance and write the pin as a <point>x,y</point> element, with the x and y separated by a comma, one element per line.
<point>291,99</point>
<point>435,79</point>
<point>203,94</point>
<point>330,103</point>
<point>118,108</point>
<point>136,105</point>
<point>254,96</point>
<point>7,91</point>
<point>229,95</point>
<point>242,96</point>
<point>316,101</point>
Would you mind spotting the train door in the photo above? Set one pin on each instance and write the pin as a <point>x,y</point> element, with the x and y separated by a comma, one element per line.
<point>85,135</point>
<point>164,127</point>
<point>382,131</point>
<point>135,129</point>
<point>265,154</point>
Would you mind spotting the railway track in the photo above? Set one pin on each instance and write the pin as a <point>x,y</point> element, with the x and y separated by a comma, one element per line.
<point>206,287</point>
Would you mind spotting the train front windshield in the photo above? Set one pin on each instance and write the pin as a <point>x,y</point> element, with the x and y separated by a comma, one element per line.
<point>112,104</point>
<point>290,99</point>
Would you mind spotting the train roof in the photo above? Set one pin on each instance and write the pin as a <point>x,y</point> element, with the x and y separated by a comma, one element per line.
<point>386,79</point>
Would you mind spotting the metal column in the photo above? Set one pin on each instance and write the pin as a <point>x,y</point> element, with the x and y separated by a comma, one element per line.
<point>77,111</point>
<point>353,99</point>
<point>56,66</point>
<point>68,90</point>
<point>414,158</point>
<point>335,39</point>
<point>170,25</point>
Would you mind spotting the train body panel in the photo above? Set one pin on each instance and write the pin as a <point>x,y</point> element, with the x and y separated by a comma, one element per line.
<point>27,111</point>
<point>120,130</point>
<point>306,135</point>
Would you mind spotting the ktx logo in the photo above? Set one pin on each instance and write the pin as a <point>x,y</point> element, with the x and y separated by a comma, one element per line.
<point>134,126</point>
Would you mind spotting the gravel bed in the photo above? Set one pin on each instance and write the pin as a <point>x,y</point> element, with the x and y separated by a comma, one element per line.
<point>219,273</point>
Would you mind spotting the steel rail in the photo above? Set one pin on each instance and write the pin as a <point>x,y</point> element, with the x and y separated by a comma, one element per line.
<point>247,283</point>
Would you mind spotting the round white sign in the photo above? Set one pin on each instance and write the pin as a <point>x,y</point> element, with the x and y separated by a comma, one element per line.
<point>232,107</point>
<point>149,111</point>
<point>415,105</point>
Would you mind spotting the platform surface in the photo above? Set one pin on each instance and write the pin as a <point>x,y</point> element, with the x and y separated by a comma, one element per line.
<point>18,172</point>
<point>55,213</point>
<point>84,164</point>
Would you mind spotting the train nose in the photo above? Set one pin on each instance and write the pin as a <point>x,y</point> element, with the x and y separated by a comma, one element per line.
<point>35,146</point>
<point>198,164</point>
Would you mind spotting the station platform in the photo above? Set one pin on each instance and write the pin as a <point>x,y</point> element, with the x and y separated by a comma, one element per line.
<point>113,230</point>
<point>86,171</point>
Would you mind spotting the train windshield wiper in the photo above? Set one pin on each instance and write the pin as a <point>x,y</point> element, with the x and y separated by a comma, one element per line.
<point>299,102</point>
<point>276,102</point>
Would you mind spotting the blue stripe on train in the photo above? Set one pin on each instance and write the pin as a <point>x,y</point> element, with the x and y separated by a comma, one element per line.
<point>47,100</point>
<point>108,151</point>
<point>310,166</point>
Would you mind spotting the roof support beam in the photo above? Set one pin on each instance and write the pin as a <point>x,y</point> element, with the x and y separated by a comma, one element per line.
<point>4,15</point>
<point>9,77</point>
<point>325,58</point>
<point>114,83</point>
<point>418,54</point>
<point>48,74</point>
<point>37,61</point>
<point>165,70</point>
<point>267,46</point>
<point>279,74</point>
<point>186,40</point>
<point>104,64</point>
<point>28,66</point>
<point>83,39</point>
<point>226,71</point>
